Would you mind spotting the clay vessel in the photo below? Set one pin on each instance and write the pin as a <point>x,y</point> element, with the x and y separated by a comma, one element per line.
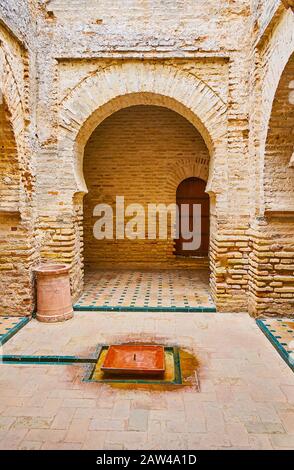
<point>54,302</point>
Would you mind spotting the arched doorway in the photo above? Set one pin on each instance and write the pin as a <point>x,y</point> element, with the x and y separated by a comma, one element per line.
<point>9,169</point>
<point>156,84</point>
<point>191,191</point>
<point>140,152</point>
<point>277,293</point>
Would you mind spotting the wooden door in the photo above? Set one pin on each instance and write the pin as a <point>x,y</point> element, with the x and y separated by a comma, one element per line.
<point>192,191</point>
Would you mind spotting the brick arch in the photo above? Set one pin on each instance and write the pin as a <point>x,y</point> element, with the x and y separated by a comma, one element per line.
<point>199,168</point>
<point>282,49</point>
<point>119,86</point>
<point>9,166</point>
<point>10,91</point>
<point>278,177</point>
<point>15,189</point>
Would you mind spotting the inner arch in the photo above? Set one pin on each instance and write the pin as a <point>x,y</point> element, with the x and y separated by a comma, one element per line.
<point>140,152</point>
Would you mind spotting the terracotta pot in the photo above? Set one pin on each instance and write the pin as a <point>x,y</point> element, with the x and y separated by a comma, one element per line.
<point>53,293</point>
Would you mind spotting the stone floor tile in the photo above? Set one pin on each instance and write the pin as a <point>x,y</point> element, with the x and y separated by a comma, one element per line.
<point>260,442</point>
<point>12,438</point>
<point>288,391</point>
<point>109,446</point>
<point>287,419</point>
<point>92,413</point>
<point>77,430</point>
<point>63,418</point>
<point>121,409</point>
<point>32,422</point>
<point>97,424</point>
<point>128,439</point>
<point>46,435</point>
<point>61,446</point>
<point>79,403</point>
<point>175,402</point>
<point>94,440</point>
<point>6,422</point>
<point>264,428</point>
<point>138,420</point>
<point>237,435</point>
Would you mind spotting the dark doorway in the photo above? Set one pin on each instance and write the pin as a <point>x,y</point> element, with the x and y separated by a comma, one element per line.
<point>192,191</point>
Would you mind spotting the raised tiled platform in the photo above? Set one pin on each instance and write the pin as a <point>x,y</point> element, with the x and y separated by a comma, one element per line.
<point>280,332</point>
<point>9,326</point>
<point>168,290</point>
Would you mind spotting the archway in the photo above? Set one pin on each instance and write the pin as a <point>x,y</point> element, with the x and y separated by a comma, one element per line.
<point>276,295</point>
<point>119,86</point>
<point>140,153</point>
<point>190,192</point>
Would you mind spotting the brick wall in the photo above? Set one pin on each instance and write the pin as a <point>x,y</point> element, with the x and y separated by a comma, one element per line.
<point>142,153</point>
<point>9,168</point>
<point>18,247</point>
<point>15,250</point>
<point>278,176</point>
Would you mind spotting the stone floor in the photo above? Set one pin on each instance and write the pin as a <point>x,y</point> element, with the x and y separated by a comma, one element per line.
<point>246,399</point>
<point>172,289</point>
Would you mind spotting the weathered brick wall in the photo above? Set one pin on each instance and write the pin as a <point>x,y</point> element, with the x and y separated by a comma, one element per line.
<point>149,22</point>
<point>15,237</point>
<point>142,153</point>
<point>278,176</point>
<point>17,15</point>
<point>9,167</point>
<point>13,278</point>
<point>272,266</point>
<point>262,14</point>
<point>17,146</point>
<point>271,257</point>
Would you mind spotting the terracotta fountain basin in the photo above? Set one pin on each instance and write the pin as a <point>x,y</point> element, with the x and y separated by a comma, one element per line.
<point>136,360</point>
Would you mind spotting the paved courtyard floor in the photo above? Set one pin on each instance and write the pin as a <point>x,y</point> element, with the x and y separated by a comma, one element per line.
<point>184,289</point>
<point>246,398</point>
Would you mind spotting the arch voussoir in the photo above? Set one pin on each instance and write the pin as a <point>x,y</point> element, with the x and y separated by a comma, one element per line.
<point>117,81</point>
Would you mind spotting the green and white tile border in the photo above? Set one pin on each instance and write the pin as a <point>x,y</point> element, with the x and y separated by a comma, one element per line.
<point>106,308</point>
<point>288,357</point>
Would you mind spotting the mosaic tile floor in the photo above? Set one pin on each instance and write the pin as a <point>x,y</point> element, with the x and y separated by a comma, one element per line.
<point>178,290</point>
<point>9,326</point>
<point>280,332</point>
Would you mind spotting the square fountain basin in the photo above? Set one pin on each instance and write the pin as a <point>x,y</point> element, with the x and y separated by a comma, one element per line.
<point>137,360</point>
